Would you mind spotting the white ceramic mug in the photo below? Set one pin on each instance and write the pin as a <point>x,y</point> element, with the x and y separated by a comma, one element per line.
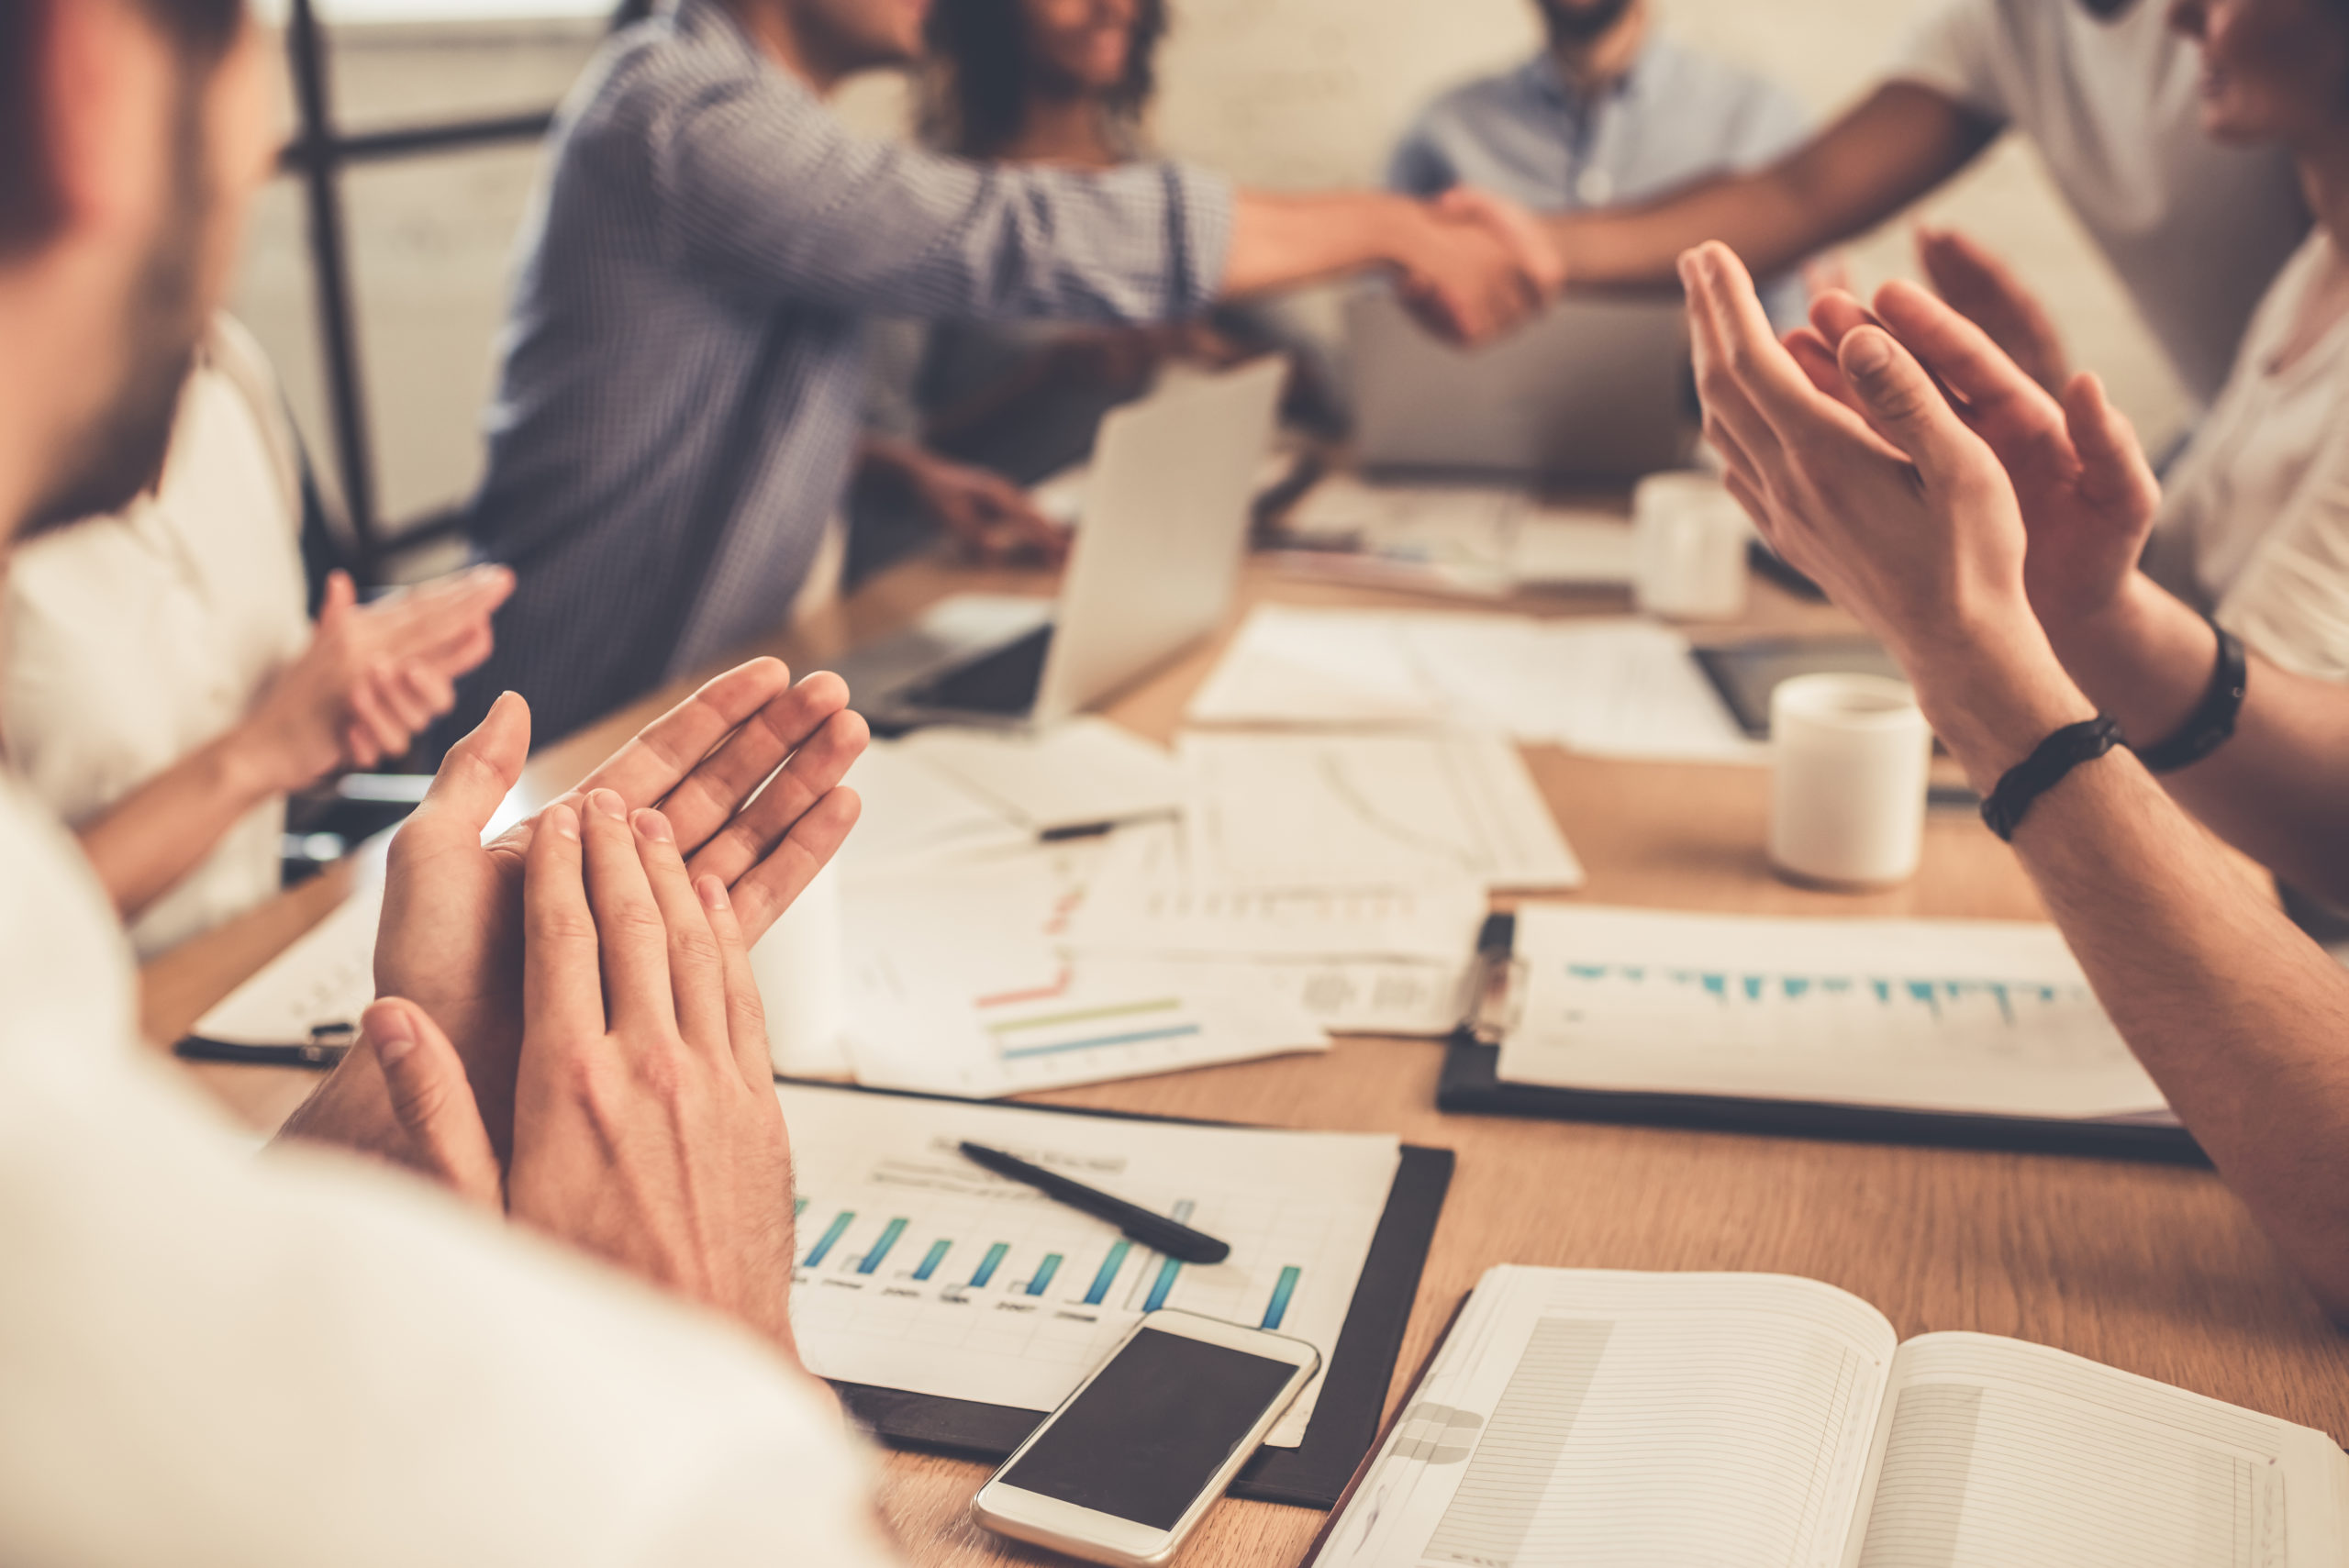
<point>1850,756</point>
<point>798,967</point>
<point>1689,539</point>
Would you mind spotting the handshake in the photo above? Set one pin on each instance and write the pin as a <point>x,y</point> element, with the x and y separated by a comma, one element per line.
<point>1473,266</point>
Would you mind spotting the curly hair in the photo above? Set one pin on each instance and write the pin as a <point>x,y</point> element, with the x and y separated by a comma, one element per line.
<point>977,85</point>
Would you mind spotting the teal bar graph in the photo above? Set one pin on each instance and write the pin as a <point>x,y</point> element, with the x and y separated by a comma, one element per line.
<point>880,1250</point>
<point>1282,1291</point>
<point>1109,1274</point>
<point>1165,1285</point>
<point>1044,1272</point>
<point>931,1258</point>
<point>988,1264</point>
<point>832,1234</point>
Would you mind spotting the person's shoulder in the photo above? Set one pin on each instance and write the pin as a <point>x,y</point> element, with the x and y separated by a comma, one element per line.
<point>647,70</point>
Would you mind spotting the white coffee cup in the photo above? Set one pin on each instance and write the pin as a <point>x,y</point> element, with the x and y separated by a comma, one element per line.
<point>798,967</point>
<point>1689,547</point>
<point>1850,756</point>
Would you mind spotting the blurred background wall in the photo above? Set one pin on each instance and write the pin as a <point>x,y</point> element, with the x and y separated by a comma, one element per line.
<point>1292,94</point>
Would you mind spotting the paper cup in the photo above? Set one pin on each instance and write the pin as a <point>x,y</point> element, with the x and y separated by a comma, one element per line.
<point>1849,757</point>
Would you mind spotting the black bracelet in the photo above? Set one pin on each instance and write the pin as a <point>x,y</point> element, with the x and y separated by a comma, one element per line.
<point>2044,769</point>
<point>2212,721</point>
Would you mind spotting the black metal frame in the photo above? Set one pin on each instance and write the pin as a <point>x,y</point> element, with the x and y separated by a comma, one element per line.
<point>317,156</point>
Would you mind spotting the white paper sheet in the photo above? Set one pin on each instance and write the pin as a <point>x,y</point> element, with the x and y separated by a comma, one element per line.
<point>962,980</point>
<point>914,811</point>
<point>1324,810</point>
<point>920,1271</point>
<point>1466,538</point>
<point>1980,1016</point>
<point>1080,773</point>
<point>323,979</point>
<point>1614,687</point>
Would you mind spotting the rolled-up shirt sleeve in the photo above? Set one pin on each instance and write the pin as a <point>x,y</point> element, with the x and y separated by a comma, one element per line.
<point>762,191</point>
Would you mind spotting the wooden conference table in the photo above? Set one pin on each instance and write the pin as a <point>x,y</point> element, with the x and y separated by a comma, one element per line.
<point>2154,1269</point>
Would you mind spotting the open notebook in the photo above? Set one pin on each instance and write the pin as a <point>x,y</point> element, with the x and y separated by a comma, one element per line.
<point>1587,1416</point>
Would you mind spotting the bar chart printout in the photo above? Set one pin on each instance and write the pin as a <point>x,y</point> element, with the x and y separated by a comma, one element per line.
<point>921,1272</point>
<point>1967,1015</point>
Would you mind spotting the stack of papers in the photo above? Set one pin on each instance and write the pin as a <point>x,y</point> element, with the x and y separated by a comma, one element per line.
<point>1612,687</point>
<point>1475,541</point>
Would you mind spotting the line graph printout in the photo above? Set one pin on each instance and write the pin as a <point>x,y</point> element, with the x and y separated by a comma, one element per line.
<point>1979,1017</point>
<point>920,1271</point>
<point>1327,810</point>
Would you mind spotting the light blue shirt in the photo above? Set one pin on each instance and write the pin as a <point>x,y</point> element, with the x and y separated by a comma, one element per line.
<point>1675,116</point>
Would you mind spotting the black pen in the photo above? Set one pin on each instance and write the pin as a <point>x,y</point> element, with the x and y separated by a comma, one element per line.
<point>1152,1230</point>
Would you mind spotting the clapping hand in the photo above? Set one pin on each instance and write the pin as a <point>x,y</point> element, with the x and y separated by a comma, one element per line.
<point>2087,495</point>
<point>746,773</point>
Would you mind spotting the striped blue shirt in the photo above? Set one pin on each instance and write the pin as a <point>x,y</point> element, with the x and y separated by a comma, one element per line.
<point>1675,116</point>
<point>682,363</point>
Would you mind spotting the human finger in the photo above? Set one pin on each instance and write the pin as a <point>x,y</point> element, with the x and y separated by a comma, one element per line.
<point>652,761</point>
<point>711,798</point>
<point>395,696</point>
<point>2112,460</point>
<point>1528,241</point>
<point>816,768</point>
<point>1995,390</point>
<point>429,689</point>
<point>746,1021</point>
<point>630,934</point>
<point>769,887</point>
<point>1835,313</point>
<point>433,1101</point>
<point>1720,369</point>
<point>1981,286</point>
<point>359,746</point>
<point>697,974</point>
<point>1816,357</point>
<point>562,985</point>
<point>474,777</point>
<point>1902,403</point>
<point>368,704</point>
<point>337,601</point>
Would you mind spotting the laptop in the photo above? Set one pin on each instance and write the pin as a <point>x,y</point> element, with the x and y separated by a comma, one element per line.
<point>1165,516</point>
<point>1595,389</point>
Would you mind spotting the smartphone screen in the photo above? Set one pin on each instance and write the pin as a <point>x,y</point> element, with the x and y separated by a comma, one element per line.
<point>1143,1438</point>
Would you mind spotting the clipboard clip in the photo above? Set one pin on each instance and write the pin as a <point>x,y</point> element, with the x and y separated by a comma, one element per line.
<point>1496,983</point>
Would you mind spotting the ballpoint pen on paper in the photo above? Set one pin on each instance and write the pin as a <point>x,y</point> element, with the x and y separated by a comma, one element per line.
<point>1152,1230</point>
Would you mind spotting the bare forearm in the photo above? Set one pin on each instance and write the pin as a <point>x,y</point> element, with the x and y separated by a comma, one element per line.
<point>2242,1020</point>
<point>2276,790</point>
<point>1896,146</point>
<point>145,843</point>
<point>1278,241</point>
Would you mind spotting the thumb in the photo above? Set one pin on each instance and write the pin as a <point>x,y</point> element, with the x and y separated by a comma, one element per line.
<point>433,1102</point>
<point>341,595</point>
<point>477,774</point>
<point>1901,402</point>
<point>2112,460</point>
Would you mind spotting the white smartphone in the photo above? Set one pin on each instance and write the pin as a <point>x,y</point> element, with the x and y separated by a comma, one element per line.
<point>1124,1469</point>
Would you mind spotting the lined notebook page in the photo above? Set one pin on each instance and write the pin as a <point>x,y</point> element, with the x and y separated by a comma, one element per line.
<point>1650,1420</point>
<point>2001,1454</point>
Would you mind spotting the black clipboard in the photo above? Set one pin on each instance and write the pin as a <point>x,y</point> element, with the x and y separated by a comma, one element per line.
<point>1470,1084</point>
<point>1353,1392</point>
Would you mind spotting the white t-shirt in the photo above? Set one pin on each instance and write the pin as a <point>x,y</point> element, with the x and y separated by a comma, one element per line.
<point>211,1357</point>
<point>2254,519</point>
<point>2196,231</point>
<point>133,640</point>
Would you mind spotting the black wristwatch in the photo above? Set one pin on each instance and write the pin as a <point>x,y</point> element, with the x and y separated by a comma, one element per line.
<point>2044,769</point>
<point>2213,719</point>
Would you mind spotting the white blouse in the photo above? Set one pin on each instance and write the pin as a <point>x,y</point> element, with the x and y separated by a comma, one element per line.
<point>2254,520</point>
<point>131,641</point>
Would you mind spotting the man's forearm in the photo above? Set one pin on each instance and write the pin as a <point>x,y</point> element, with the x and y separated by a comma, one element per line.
<point>2242,1020</point>
<point>144,844</point>
<point>1278,241</point>
<point>2275,790</point>
<point>1892,148</point>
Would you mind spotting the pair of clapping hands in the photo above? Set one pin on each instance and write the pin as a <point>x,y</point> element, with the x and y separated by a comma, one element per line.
<point>567,1030</point>
<point>1904,460</point>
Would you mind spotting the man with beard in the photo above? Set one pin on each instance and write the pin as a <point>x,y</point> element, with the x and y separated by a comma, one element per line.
<point>2108,96</point>
<point>1608,112</point>
<point>305,1357</point>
